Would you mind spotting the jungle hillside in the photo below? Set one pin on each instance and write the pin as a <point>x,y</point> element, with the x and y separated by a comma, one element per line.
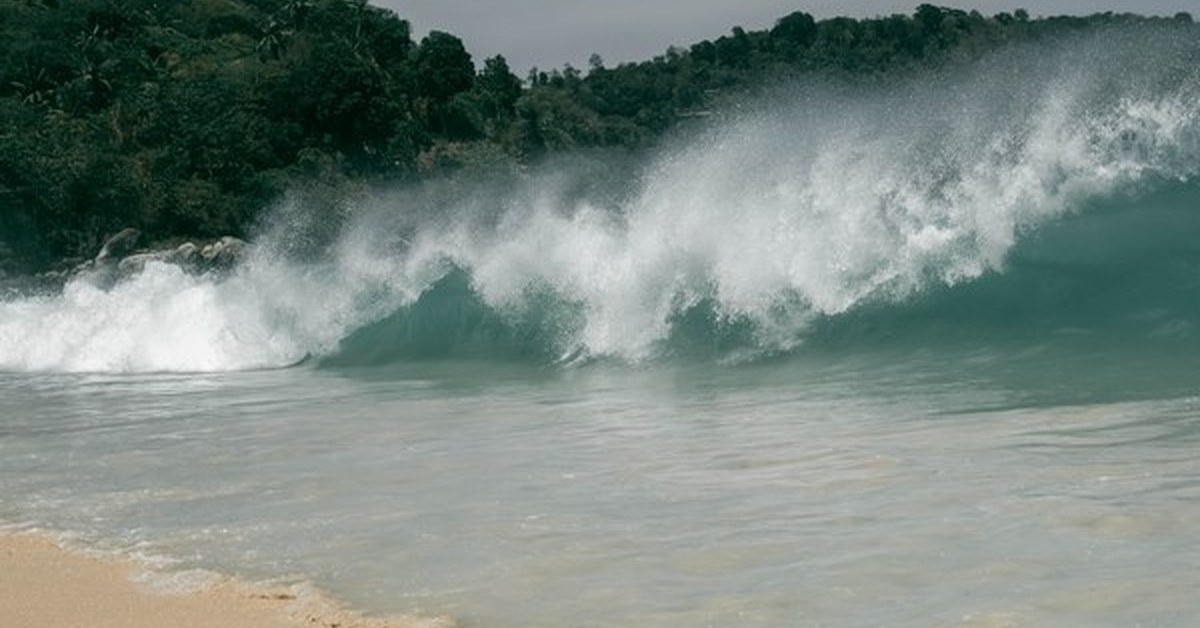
<point>189,119</point>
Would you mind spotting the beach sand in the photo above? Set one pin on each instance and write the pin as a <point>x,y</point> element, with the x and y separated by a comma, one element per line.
<point>44,585</point>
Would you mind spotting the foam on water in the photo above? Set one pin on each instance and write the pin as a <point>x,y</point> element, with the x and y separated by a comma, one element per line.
<point>809,205</point>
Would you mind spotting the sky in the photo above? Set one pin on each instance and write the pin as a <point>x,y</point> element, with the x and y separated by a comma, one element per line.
<point>550,33</point>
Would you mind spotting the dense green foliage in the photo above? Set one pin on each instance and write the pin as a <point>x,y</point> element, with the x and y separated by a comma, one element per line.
<point>187,118</point>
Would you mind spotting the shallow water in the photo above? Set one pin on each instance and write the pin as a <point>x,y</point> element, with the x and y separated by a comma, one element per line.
<point>920,354</point>
<point>837,492</point>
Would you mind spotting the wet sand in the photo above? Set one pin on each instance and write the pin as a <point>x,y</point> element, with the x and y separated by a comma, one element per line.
<point>43,585</point>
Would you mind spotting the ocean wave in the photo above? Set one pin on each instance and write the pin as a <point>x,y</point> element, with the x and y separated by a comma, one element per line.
<point>1040,189</point>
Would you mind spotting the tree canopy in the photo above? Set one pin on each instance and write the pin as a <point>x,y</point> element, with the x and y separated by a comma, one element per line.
<point>186,119</point>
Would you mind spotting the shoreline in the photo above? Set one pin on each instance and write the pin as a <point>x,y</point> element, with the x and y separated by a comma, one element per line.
<point>46,584</point>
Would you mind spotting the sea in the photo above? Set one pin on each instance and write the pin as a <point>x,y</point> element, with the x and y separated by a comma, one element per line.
<point>918,352</point>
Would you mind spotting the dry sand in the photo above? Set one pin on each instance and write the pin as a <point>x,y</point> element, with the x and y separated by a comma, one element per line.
<point>43,585</point>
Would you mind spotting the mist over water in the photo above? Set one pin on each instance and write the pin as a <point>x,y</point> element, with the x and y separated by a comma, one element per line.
<point>738,242</point>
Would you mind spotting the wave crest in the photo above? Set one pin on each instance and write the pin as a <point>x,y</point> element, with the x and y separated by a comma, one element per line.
<point>812,209</point>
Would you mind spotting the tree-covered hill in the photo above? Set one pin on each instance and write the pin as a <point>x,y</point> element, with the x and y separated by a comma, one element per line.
<point>188,118</point>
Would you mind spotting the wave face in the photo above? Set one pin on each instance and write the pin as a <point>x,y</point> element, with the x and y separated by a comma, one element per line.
<point>1036,191</point>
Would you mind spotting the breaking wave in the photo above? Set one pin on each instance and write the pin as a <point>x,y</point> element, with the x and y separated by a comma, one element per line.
<point>1040,191</point>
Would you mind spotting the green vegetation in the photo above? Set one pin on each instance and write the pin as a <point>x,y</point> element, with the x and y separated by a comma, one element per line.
<point>188,118</point>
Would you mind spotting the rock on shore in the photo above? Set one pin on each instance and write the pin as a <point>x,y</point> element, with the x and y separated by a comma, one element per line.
<point>120,259</point>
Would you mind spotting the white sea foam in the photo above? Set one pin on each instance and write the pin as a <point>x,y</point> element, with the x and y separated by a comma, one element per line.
<point>809,205</point>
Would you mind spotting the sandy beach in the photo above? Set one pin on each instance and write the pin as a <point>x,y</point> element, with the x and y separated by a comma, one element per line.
<point>44,585</point>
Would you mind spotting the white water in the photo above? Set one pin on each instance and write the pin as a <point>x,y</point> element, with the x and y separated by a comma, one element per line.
<point>809,206</point>
<point>1045,478</point>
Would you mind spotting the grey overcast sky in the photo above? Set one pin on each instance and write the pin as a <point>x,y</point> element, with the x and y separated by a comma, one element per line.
<point>549,33</point>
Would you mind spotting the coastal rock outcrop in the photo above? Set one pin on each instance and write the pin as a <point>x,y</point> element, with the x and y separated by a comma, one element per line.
<point>223,254</point>
<point>186,255</point>
<point>117,246</point>
<point>120,259</point>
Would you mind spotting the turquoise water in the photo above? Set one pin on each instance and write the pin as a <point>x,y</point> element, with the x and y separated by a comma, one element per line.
<point>913,354</point>
<point>921,489</point>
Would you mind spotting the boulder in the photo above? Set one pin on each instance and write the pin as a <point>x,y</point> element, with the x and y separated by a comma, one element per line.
<point>223,254</point>
<point>118,246</point>
<point>119,260</point>
<point>185,256</point>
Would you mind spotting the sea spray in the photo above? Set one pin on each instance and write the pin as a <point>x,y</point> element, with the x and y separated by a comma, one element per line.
<point>812,206</point>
